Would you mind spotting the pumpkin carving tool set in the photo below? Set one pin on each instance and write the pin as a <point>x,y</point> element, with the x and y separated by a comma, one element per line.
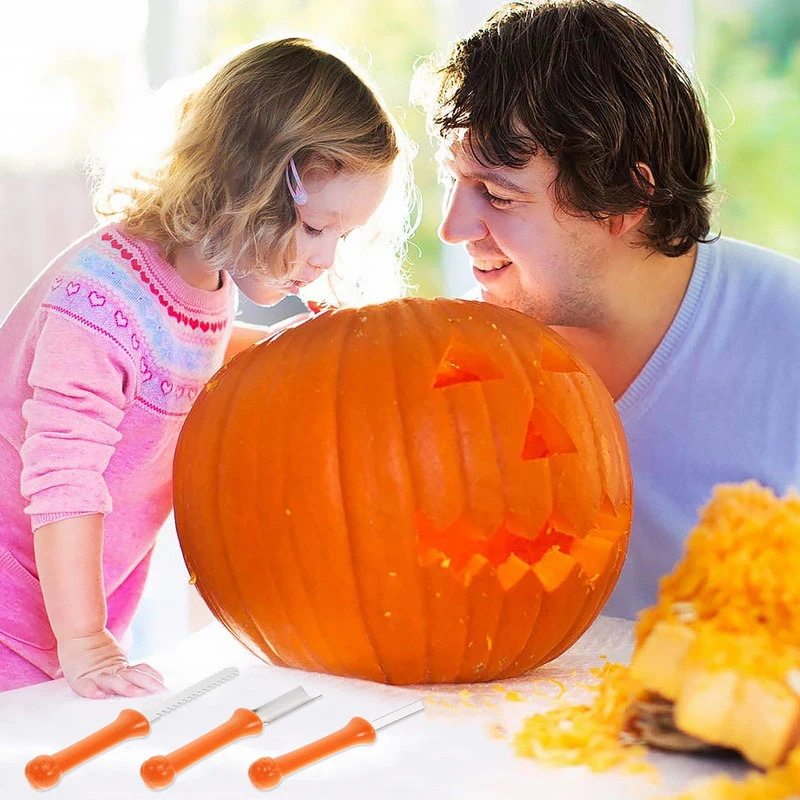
<point>160,771</point>
<point>45,771</point>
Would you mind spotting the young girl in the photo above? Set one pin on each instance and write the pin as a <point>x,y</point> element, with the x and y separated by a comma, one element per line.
<point>279,155</point>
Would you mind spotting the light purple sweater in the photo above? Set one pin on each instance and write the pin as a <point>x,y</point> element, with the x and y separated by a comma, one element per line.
<point>101,360</point>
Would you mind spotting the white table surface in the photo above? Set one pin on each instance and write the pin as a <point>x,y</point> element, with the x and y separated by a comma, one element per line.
<point>448,751</point>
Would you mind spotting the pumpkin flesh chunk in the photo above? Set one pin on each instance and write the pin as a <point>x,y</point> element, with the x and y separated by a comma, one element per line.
<point>727,709</point>
<point>754,714</point>
<point>658,663</point>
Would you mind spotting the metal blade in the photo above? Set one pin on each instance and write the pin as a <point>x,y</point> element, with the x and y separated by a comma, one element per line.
<point>175,701</point>
<point>398,714</point>
<point>284,704</point>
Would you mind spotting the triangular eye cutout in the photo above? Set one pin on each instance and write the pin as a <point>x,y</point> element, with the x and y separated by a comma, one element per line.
<point>545,436</point>
<point>556,359</point>
<point>463,364</point>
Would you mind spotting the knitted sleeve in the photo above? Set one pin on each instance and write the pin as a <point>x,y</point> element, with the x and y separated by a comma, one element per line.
<point>81,381</point>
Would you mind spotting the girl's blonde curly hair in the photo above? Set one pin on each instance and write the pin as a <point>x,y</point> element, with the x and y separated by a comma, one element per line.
<point>220,186</point>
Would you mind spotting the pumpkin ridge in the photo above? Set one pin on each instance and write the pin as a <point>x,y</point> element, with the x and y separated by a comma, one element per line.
<point>606,500</point>
<point>219,516</point>
<point>499,461</point>
<point>501,456</point>
<point>507,669</point>
<point>337,448</point>
<point>295,546</point>
<point>391,328</point>
<point>408,440</point>
<point>611,576</point>
<point>601,516</point>
<point>325,627</point>
<point>455,422</point>
<point>581,386</point>
<point>491,638</point>
<point>499,663</point>
<point>481,582</point>
<point>529,368</point>
<point>227,442</point>
<point>432,351</point>
<point>190,550</point>
<point>428,337</point>
<point>455,418</point>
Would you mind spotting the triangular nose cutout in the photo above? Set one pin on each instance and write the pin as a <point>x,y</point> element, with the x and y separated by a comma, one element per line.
<point>546,436</point>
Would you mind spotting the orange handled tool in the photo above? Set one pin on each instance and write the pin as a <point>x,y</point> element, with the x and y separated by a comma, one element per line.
<point>159,772</point>
<point>267,773</point>
<point>44,772</point>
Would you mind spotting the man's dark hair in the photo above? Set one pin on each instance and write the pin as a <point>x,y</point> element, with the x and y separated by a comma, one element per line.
<point>594,86</point>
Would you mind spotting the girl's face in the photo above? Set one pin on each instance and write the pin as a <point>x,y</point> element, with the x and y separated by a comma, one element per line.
<point>337,204</point>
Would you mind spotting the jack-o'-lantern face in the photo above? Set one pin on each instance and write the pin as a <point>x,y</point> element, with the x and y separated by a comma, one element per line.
<point>418,491</point>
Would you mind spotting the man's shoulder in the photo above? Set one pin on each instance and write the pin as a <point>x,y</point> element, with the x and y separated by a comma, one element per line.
<point>753,281</point>
<point>746,259</point>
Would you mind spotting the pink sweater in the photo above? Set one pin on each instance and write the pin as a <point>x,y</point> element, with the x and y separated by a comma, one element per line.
<point>101,360</point>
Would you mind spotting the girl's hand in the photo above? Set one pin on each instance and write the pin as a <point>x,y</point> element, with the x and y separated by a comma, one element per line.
<point>95,666</point>
<point>244,334</point>
<point>69,558</point>
<point>289,322</point>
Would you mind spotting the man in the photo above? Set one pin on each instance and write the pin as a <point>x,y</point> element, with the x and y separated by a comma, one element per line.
<point>578,155</point>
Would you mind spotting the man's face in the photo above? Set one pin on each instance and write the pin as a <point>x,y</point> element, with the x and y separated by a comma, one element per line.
<point>525,252</point>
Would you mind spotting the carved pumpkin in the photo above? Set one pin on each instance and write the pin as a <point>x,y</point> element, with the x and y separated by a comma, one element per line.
<point>417,491</point>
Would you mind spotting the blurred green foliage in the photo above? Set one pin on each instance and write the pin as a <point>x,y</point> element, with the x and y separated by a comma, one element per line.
<point>387,38</point>
<point>748,58</point>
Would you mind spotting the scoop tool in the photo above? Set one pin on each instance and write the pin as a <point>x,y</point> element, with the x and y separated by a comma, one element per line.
<point>267,773</point>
